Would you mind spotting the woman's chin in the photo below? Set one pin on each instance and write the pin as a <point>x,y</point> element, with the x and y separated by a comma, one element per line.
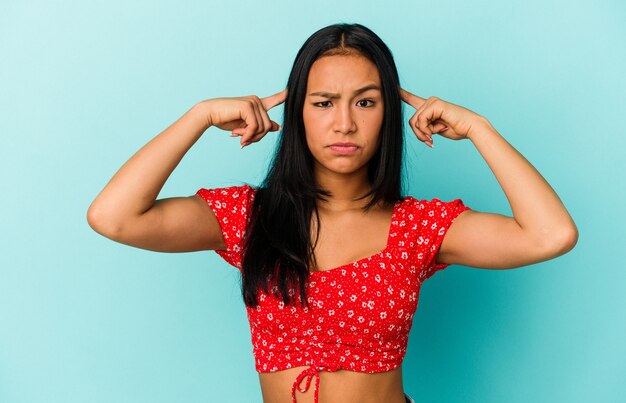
<point>343,168</point>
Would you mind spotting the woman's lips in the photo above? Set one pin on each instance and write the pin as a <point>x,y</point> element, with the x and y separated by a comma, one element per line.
<point>344,149</point>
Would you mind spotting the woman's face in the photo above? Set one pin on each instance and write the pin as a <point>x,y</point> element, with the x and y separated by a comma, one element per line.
<point>343,104</point>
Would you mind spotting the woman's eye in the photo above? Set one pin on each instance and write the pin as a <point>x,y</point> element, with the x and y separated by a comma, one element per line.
<point>320,104</point>
<point>324,103</point>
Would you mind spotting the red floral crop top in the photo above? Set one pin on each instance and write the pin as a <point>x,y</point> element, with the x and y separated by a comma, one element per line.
<point>360,314</point>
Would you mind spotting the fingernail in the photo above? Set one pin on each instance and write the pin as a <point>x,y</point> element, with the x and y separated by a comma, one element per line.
<point>430,144</point>
<point>245,144</point>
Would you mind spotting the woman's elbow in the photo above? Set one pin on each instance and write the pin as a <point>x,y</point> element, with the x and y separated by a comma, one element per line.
<point>565,241</point>
<point>99,222</point>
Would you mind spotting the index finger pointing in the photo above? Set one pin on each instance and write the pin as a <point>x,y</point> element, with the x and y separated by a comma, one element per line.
<point>411,99</point>
<point>274,100</point>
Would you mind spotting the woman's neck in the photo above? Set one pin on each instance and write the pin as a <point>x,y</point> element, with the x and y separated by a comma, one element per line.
<point>345,189</point>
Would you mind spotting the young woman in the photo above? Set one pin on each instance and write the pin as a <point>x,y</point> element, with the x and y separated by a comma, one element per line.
<point>332,256</point>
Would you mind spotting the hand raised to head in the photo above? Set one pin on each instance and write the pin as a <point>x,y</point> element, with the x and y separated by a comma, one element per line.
<point>267,103</point>
<point>436,116</point>
<point>245,116</point>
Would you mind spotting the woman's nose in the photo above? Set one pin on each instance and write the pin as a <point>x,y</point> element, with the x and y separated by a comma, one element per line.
<point>344,119</point>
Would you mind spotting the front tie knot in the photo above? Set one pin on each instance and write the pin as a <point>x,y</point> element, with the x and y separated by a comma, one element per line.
<point>309,373</point>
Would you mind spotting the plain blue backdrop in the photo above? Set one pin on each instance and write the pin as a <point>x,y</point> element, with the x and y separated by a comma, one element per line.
<point>84,85</point>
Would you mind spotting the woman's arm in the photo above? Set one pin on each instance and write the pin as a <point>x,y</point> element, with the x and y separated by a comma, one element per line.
<point>134,188</point>
<point>127,211</point>
<point>540,229</point>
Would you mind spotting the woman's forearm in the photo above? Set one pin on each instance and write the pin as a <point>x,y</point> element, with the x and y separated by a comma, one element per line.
<point>135,186</point>
<point>536,206</point>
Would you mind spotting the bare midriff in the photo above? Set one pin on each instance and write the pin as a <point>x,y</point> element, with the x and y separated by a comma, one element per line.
<point>335,387</point>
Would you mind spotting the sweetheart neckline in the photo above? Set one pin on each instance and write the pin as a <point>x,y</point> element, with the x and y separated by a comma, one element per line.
<point>388,246</point>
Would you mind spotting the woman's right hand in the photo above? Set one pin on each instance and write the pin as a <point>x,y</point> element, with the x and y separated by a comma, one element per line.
<point>244,116</point>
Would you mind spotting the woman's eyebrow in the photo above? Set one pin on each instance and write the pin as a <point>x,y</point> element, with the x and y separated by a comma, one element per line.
<point>331,95</point>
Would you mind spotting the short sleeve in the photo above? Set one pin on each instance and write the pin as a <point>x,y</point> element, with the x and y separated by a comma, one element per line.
<point>437,217</point>
<point>232,207</point>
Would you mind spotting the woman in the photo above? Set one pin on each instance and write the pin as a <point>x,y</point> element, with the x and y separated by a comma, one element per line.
<point>332,256</point>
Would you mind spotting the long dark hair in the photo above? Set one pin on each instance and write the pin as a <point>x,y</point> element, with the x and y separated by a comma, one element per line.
<point>277,245</point>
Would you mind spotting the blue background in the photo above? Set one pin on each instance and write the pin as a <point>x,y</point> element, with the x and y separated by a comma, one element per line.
<point>84,86</point>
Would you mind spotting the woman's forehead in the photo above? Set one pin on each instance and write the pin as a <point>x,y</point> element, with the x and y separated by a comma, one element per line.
<point>342,74</point>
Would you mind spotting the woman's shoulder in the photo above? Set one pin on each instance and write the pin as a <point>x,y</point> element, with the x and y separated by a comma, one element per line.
<point>233,190</point>
<point>229,197</point>
<point>419,204</point>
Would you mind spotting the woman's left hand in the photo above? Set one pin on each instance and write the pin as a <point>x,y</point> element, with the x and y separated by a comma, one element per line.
<point>434,115</point>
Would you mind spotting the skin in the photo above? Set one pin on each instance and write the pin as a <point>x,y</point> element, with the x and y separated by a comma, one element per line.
<point>344,117</point>
<point>127,211</point>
